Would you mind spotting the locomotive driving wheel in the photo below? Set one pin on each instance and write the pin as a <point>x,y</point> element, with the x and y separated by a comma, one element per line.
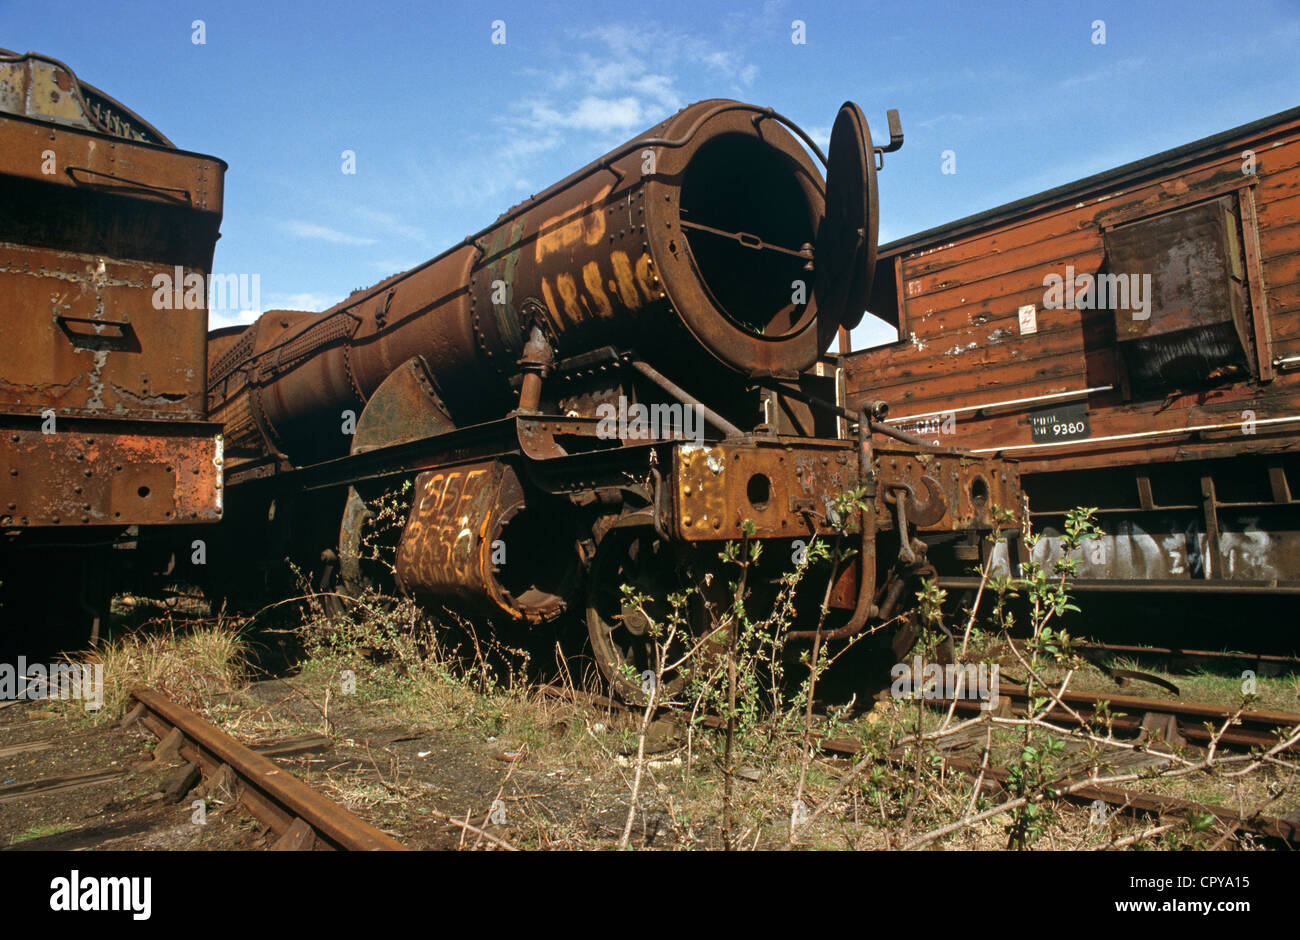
<point>628,640</point>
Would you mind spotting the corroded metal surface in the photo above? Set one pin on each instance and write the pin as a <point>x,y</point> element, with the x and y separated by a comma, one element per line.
<point>950,492</point>
<point>83,339</point>
<point>785,491</point>
<point>278,799</point>
<point>564,374</point>
<point>106,243</point>
<point>107,476</point>
<point>43,88</point>
<point>1169,398</point>
<point>455,544</point>
<point>789,489</point>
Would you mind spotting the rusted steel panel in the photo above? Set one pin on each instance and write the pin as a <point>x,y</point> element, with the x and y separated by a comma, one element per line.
<point>106,242</point>
<point>1194,322</point>
<point>455,544</point>
<point>80,475</point>
<point>119,198</point>
<point>91,162</point>
<point>961,492</point>
<point>790,489</point>
<point>83,338</point>
<point>967,348</point>
<point>40,87</point>
<point>785,491</point>
<point>446,546</point>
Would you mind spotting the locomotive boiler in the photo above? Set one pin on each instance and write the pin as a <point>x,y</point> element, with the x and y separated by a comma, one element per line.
<point>617,375</point>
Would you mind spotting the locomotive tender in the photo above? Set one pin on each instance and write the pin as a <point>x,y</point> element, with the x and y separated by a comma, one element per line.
<point>105,444</point>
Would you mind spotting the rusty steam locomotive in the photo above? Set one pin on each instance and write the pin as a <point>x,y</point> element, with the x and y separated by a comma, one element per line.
<point>695,275</point>
<point>702,268</point>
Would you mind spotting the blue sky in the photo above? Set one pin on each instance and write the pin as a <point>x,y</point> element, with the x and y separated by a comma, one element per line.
<point>449,129</point>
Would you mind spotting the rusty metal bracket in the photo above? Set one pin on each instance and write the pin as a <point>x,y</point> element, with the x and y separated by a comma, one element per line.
<point>921,513</point>
<point>895,138</point>
<point>905,553</point>
<point>123,339</point>
<point>685,397</point>
<point>658,505</point>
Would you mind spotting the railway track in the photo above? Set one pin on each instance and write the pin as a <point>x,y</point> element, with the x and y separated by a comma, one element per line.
<point>1263,662</point>
<point>297,814</point>
<point>192,759</point>
<point>1121,799</point>
<point>1176,722</point>
<point>1072,786</point>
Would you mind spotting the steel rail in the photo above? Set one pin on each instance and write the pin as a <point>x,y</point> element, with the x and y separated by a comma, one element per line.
<point>274,796</point>
<point>1216,713</point>
<point>1255,729</point>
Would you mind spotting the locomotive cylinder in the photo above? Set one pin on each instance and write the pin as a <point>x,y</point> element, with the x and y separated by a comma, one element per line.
<point>688,244</point>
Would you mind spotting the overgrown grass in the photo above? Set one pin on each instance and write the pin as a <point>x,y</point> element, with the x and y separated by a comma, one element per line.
<point>40,832</point>
<point>191,663</point>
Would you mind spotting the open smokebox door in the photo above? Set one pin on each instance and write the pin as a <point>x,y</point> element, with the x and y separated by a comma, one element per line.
<point>845,255</point>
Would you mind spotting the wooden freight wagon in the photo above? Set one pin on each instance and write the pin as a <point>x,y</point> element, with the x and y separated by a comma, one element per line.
<point>1132,338</point>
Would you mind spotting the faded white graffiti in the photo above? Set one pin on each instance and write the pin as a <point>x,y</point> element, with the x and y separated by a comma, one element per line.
<point>1180,549</point>
<point>1246,554</point>
<point>1129,552</point>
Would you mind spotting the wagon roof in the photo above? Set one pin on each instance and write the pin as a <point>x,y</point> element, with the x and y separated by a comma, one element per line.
<point>1148,166</point>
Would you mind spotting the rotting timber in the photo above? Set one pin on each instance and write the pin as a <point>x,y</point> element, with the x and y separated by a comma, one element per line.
<point>698,271</point>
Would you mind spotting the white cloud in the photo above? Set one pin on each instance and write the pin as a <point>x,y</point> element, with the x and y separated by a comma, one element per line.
<point>218,319</point>
<point>639,72</point>
<point>389,266</point>
<point>601,85</point>
<point>821,135</point>
<point>325,234</point>
<point>594,114</point>
<point>392,225</point>
<point>314,301</point>
<point>1108,72</point>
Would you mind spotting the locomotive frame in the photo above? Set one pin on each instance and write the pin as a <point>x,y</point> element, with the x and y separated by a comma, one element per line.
<point>650,280</point>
